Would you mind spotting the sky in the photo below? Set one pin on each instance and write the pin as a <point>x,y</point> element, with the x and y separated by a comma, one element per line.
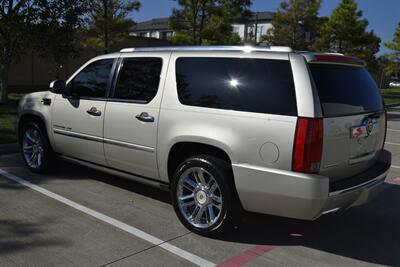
<point>383,15</point>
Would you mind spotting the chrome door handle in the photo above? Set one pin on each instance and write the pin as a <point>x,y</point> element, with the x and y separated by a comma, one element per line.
<point>144,116</point>
<point>94,112</point>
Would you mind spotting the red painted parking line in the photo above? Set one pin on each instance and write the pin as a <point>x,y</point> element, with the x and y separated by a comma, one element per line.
<point>395,181</point>
<point>246,256</point>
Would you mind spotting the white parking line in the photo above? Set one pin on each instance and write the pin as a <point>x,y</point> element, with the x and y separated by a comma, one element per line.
<point>394,166</point>
<point>394,144</point>
<point>393,130</point>
<point>102,217</point>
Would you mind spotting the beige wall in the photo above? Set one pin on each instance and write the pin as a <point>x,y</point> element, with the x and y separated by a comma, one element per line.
<point>33,72</point>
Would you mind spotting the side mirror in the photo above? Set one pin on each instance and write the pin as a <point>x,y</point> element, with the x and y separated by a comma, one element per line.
<point>57,86</point>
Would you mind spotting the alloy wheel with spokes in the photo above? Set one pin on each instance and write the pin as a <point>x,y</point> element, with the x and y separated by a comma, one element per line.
<point>36,150</point>
<point>32,148</point>
<point>199,197</point>
<point>202,194</point>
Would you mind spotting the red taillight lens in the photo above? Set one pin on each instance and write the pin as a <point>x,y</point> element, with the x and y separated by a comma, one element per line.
<point>307,149</point>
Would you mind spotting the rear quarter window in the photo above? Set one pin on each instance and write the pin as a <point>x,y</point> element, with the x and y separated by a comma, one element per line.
<point>345,90</point>
<point>242,84</point>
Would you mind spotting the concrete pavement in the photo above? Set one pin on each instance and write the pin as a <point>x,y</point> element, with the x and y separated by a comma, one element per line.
<point>37,230</point>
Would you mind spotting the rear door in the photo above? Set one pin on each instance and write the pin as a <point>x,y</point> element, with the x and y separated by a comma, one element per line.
<point>354,119</point>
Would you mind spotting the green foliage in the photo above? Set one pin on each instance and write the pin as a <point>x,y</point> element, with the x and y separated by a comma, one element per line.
<point>391,96</point>
<point>56,32</point>
<point>393,65</point>
<point>346,32</point>
<point>295,24</point>
<point>108,23</point>
<point>200,22</point>
<point>8,116</point>
<point>47,25</point>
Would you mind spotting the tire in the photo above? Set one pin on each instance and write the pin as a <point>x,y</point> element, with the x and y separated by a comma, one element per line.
<point>189,194</point>
<point>36,150</point>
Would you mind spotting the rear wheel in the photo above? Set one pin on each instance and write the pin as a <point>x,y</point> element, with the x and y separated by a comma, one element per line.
<point>202,194</point>
<point>36,150</point>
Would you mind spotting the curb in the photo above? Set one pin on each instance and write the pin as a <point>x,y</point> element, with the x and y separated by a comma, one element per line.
<point>9,148</point>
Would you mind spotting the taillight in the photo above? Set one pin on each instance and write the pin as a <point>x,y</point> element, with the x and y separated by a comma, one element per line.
<point>307,148</point>
<point>384,138</point>
<point>339,59</point>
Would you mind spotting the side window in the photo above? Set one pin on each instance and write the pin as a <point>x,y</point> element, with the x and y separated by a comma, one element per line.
<point>242,84</point>
<point>93,79</point>
<point>138,79</point>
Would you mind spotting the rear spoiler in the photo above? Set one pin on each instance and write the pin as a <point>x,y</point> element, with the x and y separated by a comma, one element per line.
<point>334,59</point>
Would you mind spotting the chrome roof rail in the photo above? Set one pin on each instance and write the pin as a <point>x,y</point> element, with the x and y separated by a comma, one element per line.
<point>209,48</point>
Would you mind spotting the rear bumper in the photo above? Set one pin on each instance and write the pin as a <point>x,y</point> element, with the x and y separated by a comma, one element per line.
<point>305,196</point>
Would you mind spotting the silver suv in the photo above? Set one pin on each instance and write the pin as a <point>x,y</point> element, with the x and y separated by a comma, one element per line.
<point>225,129</point>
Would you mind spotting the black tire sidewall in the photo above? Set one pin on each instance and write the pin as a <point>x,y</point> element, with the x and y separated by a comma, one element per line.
<point>220,170</point>
<point>46,146</point>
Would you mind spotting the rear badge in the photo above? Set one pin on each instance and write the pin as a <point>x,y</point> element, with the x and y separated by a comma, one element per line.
<point>363,130</point>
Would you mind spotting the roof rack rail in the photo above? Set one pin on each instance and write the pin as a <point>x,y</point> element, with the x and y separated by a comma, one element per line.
<point>209,48</point>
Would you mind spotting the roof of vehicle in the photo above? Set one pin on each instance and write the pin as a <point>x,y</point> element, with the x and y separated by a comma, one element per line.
<point>311,57</point>
<point>209,48</point>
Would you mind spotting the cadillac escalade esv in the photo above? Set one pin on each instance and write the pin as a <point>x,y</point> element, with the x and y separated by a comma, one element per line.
<point>260,129</point>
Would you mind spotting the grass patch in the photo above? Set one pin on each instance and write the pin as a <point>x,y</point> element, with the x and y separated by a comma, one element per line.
<point>8,115</point>
<point>391,96</point>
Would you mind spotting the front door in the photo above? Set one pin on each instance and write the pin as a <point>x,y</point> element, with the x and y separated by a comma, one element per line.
<point>130,128</point>
<point>78,120</point>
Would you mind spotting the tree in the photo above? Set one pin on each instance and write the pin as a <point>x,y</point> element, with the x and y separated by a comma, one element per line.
<point>200,22</point>
<point>346,32</point>
<point>295,24</point>
<point>25,24</point>
<point>393,65</point>
<point>108,23</point>
<point>58,37</point>
<point>14,18</point>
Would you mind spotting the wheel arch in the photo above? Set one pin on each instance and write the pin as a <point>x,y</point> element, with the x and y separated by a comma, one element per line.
<point>182,150</point>
<point>30,117</point>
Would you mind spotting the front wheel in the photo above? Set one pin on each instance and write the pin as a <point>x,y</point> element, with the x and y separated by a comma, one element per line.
<point>202,194</point>
<point>36,150</point>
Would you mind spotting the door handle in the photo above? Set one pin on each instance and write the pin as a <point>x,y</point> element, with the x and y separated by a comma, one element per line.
<point>144,116</point>
<point>94,112</point>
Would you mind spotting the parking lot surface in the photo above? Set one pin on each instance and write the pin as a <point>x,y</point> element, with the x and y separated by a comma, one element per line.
<point>80,217</point>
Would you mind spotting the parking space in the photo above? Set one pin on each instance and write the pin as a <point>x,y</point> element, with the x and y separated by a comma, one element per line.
<point>80,217</point>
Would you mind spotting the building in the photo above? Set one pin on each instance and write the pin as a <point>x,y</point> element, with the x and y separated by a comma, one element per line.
<point>155,28</point>
<point>257,26</point>
<point>251,31</point>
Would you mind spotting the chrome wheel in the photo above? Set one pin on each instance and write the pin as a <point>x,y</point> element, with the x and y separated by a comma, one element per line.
<point>32,148</point>
<point>199,197</point>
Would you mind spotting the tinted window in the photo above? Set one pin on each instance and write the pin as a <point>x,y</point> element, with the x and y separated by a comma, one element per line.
<point>253,85</point>
<point>345,90</point>
<point>139,79</point>
<point>92,81</point>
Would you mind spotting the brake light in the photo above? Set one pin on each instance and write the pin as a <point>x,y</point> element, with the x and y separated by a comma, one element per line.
<point>307,148</point>
<point>339,59</point>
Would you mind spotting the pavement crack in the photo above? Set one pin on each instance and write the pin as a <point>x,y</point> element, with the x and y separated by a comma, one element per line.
<point>146,249</point>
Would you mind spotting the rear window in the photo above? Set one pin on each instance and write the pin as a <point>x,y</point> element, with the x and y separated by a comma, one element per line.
<point>345,90</point>
<point>242,84</point>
